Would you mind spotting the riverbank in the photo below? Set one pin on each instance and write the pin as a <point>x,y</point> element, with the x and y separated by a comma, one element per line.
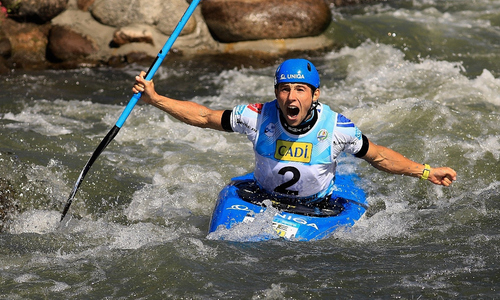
<point>65,34</point>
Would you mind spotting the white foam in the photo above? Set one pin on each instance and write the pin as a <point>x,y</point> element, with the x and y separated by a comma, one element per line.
<point>276,291</point>
<point>29,121</point>
<point>244,83</point>
<point>50,118</point>
<point>35,221</point>
<point>59,286</point>
<point>260,228</point>
<point>395,221</point>
<point>120,236</point>
<point>138,235</point>
<point>378,73</point>
<point>488,87</point>
<point>156,201</point>
<point>100,232</point>
<point>25,278</point>
<point>196,249</point>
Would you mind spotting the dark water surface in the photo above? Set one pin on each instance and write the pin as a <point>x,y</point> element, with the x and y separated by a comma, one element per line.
<point>421,77</point>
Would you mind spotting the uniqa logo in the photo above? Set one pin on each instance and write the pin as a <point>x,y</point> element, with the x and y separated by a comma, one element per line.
<point>239,207</point>
<point>297,220</point>
<point>292,76</point>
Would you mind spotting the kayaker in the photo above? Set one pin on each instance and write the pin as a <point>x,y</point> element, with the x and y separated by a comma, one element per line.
<point>296,139</point>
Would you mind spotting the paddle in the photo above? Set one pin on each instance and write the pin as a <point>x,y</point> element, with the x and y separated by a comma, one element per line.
<point>133,101</point>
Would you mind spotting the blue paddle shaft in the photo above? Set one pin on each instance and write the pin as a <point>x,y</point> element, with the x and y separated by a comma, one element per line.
<point>159,59</point>
<point>133,101</point>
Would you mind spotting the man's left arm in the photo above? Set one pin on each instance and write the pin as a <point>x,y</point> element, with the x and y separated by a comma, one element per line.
<point>390,161</point>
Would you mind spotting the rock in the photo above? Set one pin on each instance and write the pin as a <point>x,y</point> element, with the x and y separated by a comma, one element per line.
<point>4,70</point>
<point>84,4</point>
<point>339,3</point>
<point>35,11</point>
<point>5,46</point>
<point>130,58</point>
<point>67,44</point>
<point>278,47</point>
<point>244,20</point>
<point>28,43</point>
<point>132,34</point>
<point>164,15</point>
<point>83,23</point>
<point>117,32</point>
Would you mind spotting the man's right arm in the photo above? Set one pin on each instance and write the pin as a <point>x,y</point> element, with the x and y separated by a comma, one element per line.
<point>186,111</point>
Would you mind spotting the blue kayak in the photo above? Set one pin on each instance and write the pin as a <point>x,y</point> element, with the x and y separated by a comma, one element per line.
<point>240,202</point>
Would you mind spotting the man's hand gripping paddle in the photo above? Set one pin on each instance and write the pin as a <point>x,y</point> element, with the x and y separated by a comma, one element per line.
<point>133,101</point>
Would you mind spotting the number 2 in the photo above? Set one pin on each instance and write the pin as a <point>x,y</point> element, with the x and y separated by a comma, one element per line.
<point>282,188</point>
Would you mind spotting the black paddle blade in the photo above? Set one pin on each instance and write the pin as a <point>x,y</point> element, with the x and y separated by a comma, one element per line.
<point>104,143</point>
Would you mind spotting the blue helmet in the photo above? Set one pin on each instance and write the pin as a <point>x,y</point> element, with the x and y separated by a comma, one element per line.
<point>297,70</point>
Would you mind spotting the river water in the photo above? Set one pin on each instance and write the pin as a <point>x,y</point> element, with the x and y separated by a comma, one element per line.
<point>421,77</point>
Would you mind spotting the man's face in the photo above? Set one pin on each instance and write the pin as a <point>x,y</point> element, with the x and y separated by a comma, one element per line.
<point>294,100</point>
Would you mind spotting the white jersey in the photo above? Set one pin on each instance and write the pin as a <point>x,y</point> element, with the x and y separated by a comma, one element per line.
<point>291,165</point>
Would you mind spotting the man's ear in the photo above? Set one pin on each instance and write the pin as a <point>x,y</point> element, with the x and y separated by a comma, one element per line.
<point>316,94</point>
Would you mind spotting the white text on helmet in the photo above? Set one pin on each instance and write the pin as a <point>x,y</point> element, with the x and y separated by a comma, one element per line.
<point>292,76</point>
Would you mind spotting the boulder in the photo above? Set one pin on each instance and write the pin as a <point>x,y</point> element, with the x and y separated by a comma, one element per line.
<point>84,24</point>
<point>132,34</point>
<point>67,44</point>
<point>35,11</point>
<point>5,46</point>
<point>164,15</point>
<point>28,43</point>
<point>351,2</point>
<point>5,52</point>
<point>245,20</point>
<point>4,70</point>
<point>84,4</point>
<point>117,32</point>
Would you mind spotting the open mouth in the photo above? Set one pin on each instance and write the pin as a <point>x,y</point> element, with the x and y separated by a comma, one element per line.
<point>292,111</point>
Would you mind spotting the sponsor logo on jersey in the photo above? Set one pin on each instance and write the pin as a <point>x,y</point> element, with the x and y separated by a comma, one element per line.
<point>270,129</point>
<point>240,109</point>
<point>322,135</point>
<point>257,107</point>
<point>358,134</point>
<point>293,151</point>
<point>239,122</point>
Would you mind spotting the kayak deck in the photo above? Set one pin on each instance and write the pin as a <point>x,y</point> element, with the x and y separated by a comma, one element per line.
<point>239,202</point>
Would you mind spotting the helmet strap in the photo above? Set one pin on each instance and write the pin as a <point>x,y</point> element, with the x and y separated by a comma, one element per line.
<point>314,104</point>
